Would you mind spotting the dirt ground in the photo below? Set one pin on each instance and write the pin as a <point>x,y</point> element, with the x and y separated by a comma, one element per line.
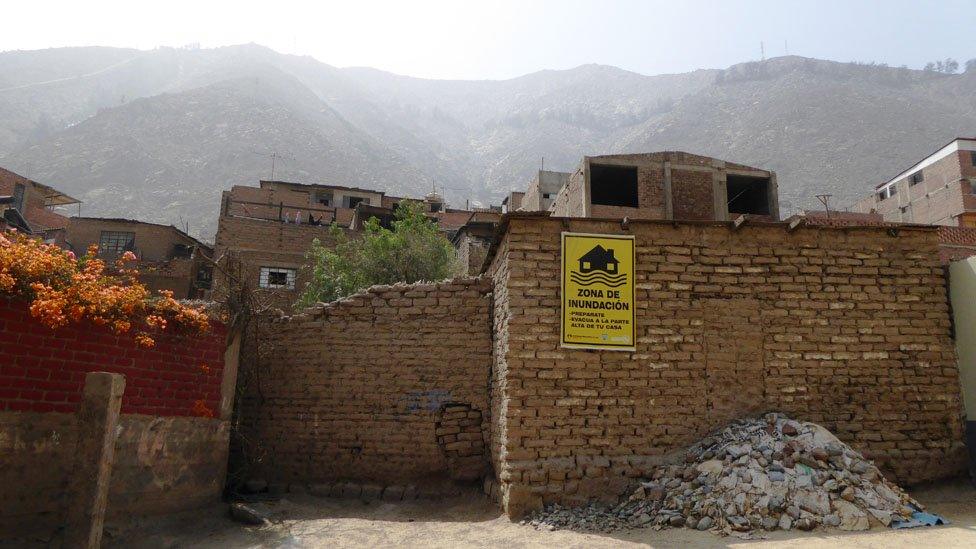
<point>471,521</point>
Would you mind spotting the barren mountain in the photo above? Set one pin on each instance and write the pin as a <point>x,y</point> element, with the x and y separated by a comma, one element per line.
<point>158,134</point>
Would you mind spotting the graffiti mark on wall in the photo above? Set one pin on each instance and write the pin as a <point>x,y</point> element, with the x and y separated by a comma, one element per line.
<point>424,401</point>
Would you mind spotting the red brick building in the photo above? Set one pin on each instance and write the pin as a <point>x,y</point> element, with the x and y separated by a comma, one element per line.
<point>27,206</point>
<point>168,258</point>
<point>270,229</point>
<point>936,190</point>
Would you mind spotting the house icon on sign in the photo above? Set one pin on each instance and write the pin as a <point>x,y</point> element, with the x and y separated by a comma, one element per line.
<point>598,259</point>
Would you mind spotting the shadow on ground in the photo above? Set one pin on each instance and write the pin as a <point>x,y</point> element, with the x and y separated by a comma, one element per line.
<point>470,520</point>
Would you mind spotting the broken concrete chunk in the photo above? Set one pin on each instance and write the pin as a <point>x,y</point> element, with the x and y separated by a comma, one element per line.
<point>756,474</point>
<point>851,518</point>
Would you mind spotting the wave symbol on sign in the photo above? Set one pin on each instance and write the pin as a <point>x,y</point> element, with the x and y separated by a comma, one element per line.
<point>598,278</point>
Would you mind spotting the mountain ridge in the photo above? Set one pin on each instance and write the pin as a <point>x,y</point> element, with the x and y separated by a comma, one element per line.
<point>68,116</point>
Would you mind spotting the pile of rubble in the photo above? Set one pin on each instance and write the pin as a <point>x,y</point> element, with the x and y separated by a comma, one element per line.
<point>759,474</point>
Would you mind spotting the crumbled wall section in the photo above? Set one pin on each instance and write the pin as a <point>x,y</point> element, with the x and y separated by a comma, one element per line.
<point>846,327</point>
<point>460,436</point>
<point>353,390</point>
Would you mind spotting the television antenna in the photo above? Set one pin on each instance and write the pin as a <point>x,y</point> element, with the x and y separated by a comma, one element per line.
<point>275,156</point>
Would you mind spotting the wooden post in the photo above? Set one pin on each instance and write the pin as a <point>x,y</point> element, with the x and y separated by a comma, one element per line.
<point>97,421</point>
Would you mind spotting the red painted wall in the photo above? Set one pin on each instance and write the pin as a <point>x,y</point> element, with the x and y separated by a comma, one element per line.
<point>43,370</point>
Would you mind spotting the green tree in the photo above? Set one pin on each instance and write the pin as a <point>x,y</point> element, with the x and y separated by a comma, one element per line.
<point>413,250</point>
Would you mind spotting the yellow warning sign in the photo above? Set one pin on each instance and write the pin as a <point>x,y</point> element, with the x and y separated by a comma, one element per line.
<point>598,291</point>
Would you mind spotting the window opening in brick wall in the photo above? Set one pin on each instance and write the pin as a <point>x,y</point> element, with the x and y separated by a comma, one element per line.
<point>205,275</point>
<point>182,251</point>
<point>887,192</point>
<point>324,198</point>
<point>748,195</point>
<point>916,178</point>
<point>352,201</point>
<point>613,186</point>
<point>277,277</point>
<point>116,242</point>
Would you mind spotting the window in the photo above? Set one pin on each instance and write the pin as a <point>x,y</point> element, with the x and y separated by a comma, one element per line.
<point>613,186</point>
<point>277,277</point>
<point>116,242</point>
<point>916,178</point>
<point>887,192</point>
<point>352,201</point>
<point>324,198</point>
<point>972,157</point>
<point>204,278</point>
<point>182,251</point>
<point>747,195</point>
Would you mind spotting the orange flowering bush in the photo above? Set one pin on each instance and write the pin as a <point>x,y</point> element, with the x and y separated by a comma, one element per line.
<point>62,289</point>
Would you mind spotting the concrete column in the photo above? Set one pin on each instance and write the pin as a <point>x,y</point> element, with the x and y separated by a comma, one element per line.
<point>88,496</point>
<point>773,196</point>
<point>720,194</point>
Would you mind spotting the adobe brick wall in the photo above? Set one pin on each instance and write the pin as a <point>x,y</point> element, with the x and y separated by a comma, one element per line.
<point>353,390</point>
<point>846,327</point>
<point>167,458</point>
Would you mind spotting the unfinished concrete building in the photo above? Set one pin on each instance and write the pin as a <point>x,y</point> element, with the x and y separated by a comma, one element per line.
<point>543,189</point>
<point>667,185</point>
<point>512,202</point>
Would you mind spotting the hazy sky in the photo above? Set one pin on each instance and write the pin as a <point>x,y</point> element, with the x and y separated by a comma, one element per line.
<point>501,39</point>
